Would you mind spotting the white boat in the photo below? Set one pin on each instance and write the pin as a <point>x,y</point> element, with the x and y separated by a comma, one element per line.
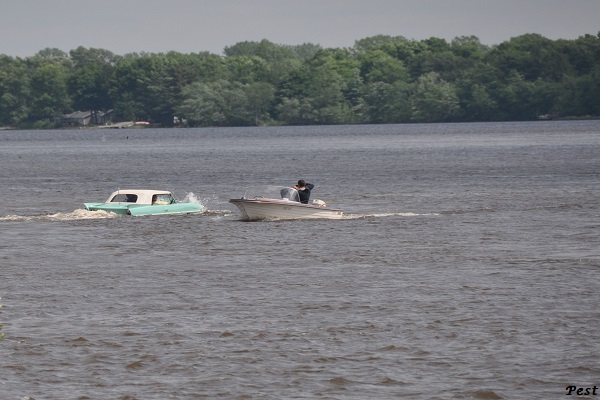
<point>288,207</point>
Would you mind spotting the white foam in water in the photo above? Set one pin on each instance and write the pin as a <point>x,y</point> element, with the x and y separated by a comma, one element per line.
<point>72,216</point>
<point>191,198</point>
<point>80,214</point>
<point>11,218</point>
<point>390,214</point>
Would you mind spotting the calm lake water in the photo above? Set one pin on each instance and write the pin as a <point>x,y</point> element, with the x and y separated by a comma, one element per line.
<point>466,266</point>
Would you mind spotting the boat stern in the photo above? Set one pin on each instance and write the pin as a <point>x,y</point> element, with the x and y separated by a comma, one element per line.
<point>115,208</point>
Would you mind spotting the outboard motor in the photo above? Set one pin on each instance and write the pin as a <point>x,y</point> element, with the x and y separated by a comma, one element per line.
<point>290,194</point>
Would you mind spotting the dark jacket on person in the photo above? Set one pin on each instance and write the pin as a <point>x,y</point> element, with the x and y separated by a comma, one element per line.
<point>305,193</point>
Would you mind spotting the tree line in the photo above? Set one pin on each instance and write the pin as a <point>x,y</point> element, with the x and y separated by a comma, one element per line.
<point>381,79</point>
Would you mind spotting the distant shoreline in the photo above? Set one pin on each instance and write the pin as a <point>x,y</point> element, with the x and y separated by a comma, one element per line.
<point>130,125</point>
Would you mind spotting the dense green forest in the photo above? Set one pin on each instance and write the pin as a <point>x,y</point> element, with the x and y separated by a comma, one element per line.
<point>381,79</point>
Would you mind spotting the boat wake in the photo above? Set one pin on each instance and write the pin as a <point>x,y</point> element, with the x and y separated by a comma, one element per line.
<point>387,214</point>
<point>81,214</point>
<point>218,213</point>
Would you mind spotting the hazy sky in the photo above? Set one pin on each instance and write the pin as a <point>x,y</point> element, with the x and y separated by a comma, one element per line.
<point>191,26</point>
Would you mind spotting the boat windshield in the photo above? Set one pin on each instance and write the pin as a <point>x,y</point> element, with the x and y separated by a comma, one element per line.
<point>290,194</point>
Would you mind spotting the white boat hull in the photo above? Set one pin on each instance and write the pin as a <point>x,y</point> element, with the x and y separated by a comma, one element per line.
<point>262,208</point>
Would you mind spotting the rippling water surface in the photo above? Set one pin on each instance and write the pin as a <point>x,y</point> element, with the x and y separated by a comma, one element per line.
<point>466,265</point>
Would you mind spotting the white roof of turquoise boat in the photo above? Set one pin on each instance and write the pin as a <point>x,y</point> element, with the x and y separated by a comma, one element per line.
<point>143,196</point>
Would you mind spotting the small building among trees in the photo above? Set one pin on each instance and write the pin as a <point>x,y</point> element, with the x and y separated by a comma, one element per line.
<point>85,118</point>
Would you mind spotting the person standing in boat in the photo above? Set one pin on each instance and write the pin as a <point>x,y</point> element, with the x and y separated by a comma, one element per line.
<point>304,189</point>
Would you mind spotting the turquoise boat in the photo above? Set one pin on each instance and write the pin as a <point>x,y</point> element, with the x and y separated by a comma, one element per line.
<point>144,202</point>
